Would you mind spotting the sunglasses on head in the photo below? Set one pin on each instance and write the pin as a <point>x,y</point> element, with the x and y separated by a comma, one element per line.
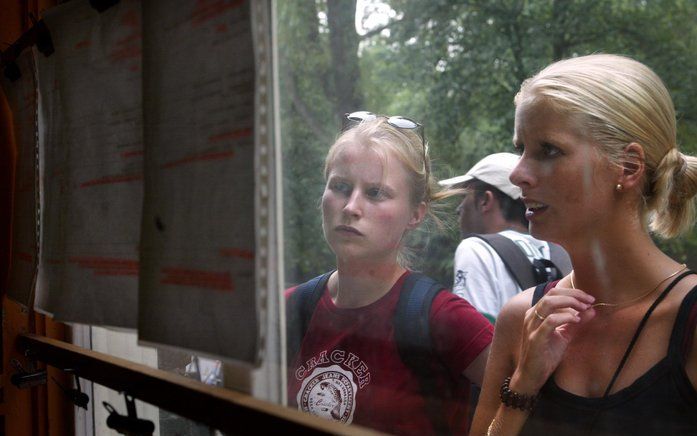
<point>354,118</point>
<point>398,121</point>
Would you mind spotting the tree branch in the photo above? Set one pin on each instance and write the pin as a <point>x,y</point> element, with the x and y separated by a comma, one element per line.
<point>376,31</point>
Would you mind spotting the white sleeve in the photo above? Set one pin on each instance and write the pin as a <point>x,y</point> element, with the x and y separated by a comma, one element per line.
<point>475,272</point>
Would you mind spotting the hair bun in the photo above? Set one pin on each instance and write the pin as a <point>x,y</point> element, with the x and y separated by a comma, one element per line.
<point>674,189</point>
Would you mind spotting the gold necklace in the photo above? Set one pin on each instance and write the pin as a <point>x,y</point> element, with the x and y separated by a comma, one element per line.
<point>682,267</point>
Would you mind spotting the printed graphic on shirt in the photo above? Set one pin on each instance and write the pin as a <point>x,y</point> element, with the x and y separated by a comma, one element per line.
<point>530,251</point>
<point>460,279</point>
<point>348,361</point>
<point>329,392</point>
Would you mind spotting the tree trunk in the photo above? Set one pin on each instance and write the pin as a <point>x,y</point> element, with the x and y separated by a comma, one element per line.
<point>343,42</point>
<point>559,18</point>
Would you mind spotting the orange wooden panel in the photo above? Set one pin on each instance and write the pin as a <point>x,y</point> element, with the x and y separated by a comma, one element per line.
<point>18,402</point>
<point>10,30</point>
<point>10,20</point>
<point>8,156</point>
<point>37,411</point>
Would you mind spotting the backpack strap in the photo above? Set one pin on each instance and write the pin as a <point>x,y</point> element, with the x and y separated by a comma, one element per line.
<point>412,319</point>
<point>300,306</point>
<point>413,337</point>
<point>539,293</point>
<point>560,258</point>
<point>513,257</point>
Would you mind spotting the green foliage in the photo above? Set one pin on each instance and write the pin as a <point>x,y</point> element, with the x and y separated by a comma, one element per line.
<point>306,114</point>
<point>456,66</point>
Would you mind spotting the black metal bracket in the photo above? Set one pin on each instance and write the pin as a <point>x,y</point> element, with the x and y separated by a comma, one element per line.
<point>102,5</point>
<point>38,35</point>
<point>76,396</point>
<point>27,378</point>
<point>129,424</point>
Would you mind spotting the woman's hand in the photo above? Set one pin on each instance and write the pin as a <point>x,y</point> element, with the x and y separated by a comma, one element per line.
<point>549,327</point>
<point>528,349</point>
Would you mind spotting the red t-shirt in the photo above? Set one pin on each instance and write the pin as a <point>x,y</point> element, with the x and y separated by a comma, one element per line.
<point>349,370</point>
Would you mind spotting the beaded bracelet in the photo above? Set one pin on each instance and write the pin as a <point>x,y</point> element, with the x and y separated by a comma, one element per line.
<point>513,399</point>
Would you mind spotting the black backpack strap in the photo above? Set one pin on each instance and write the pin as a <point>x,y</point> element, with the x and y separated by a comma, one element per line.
<point>411,321</point>
<point>413,337</point>
<point>300,306</point>
<point>513,257</point>
<point>560,258</point>
<point>538,293</point>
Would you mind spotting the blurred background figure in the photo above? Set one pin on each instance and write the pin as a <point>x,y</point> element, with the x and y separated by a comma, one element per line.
<point>497,258</point>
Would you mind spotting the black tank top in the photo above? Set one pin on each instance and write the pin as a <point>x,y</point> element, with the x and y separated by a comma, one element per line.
<point>660,402</point>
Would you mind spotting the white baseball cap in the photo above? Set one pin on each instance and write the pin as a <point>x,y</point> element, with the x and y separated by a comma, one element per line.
<point>494,170</point>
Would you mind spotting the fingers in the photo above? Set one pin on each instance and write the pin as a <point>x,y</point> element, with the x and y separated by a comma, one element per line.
<point>551,305</point>
<point>549,327</point>
<point>560,299</point>
<point>566,326</point>
<point>537,314</point>
<point>559,319</point>
<point>571,292</point>
<point>535,318</point>
<point>544,342</point>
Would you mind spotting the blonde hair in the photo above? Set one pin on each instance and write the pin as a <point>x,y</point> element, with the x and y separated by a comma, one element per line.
<point>619,101</point>
<point>407,146</point>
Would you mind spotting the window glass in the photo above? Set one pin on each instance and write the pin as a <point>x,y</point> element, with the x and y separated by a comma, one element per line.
<point>455,67</point>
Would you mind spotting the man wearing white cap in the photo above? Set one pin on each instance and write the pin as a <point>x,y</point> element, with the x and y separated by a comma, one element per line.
<point>492,205</point>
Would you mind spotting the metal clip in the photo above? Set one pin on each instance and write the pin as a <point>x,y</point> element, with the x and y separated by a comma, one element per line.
<point>129,425</point>
<point>102,5</point>
<point>27,379</point>
<point>76,396</point>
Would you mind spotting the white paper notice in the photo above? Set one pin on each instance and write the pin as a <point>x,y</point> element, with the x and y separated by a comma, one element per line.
<point>21,96</point>
<point>91,111</point>
<point>197,283</point>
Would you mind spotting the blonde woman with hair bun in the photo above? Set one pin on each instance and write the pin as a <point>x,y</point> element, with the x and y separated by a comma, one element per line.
<point>610,348</point>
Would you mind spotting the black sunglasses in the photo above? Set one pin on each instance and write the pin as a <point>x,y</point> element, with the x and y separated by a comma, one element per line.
<point>397,121</point>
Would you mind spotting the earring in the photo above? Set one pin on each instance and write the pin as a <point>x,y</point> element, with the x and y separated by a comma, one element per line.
<point>619,187</point>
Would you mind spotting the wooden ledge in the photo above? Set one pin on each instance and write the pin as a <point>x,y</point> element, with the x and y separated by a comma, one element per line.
<point>225,410</point>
